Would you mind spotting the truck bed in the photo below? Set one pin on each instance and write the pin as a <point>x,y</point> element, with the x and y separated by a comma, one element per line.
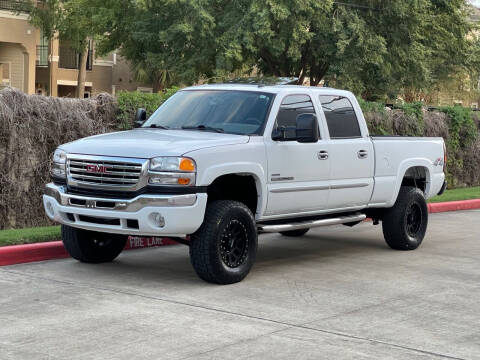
<point>395,155</point>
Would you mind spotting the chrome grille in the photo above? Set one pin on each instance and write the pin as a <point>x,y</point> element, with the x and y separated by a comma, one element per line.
<point>103,172</point>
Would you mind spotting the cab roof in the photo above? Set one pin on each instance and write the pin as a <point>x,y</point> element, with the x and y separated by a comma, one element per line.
<point>274,89</point>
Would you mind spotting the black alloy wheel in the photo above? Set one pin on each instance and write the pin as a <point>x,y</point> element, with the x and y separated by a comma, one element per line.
<point>234,244</point>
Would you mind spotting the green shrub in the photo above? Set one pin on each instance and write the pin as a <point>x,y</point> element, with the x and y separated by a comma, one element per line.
<point>414,124</point>
<point>376,117</point>
<point>129,102</point>
<point>371,106</point>
<point>463,131</point>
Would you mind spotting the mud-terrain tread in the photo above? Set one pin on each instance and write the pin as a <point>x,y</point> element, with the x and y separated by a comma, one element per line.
<point>393,226</point>
<point>203,256</point>
<point>76,243</point>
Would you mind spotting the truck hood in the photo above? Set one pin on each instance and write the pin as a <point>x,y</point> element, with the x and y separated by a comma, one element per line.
<point>148,143</point>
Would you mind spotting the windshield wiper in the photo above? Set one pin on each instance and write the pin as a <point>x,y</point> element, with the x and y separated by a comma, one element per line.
<point>155,126</point>
<point>204,128</point>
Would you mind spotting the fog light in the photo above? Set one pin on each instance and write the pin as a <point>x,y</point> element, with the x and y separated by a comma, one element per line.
<point>49,209</point>
<point>158,219</point>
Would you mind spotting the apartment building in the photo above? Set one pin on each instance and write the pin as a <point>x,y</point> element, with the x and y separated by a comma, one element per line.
<point>32,63</point>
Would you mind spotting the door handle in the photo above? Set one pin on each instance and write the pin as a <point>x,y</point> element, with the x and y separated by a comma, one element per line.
<point>362,154</point>
<point>322,155</point>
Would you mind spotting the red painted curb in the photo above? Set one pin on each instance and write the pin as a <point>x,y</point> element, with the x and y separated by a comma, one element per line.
<point>454,206</point>
<point>18,254</point>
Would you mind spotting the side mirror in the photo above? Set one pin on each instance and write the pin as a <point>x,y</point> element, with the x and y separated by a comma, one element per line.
<point>140,117</point>
<point>284,133</point>
<point>307,128</point>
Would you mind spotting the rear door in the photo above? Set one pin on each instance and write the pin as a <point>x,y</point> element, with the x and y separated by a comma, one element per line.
<point>297,172</point>
<point>351,153</point>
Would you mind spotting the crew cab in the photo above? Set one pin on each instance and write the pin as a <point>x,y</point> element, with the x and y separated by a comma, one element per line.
<point>216,165</point>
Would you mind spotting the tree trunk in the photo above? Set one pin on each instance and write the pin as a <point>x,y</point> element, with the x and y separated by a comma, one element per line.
<point>317,73</point>
<point>82,74</point>
<point>157,86</point>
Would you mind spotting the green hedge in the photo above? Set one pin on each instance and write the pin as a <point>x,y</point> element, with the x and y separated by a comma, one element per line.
<point>129,102</point>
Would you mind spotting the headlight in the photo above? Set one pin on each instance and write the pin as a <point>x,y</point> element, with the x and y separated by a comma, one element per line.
<point>167,170</point>
<point>59,161</point>
<point>168,163</point>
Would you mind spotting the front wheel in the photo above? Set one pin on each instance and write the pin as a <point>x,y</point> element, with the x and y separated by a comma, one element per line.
<point>404,225</point>
<point>223,250</point>
<point>90,246</point>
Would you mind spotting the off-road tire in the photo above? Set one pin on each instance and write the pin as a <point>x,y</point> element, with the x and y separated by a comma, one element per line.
<point>228,232</point>
<point>404,225</point>
<point>294,233</point>
<point>90,246</point>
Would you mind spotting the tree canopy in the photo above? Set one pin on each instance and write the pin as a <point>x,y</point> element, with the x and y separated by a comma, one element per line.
<point>376,48</point>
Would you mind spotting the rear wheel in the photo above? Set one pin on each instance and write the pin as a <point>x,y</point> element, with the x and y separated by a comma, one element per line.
<point>223,250</point>
<point>90,246</point>
<point>294,233</point>
<point>405,224</point>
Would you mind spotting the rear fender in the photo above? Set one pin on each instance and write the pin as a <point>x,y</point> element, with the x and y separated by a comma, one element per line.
<point>402,170</point>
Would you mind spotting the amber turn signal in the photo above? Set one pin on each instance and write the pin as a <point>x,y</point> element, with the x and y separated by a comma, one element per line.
<point>183,181</point>
<point>186,165</point>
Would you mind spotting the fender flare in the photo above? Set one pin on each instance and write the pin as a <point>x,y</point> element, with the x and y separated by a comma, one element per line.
<point>212,173</point>
<point>402,170</point>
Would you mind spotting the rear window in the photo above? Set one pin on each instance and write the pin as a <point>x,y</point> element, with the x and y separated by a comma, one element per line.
<point>341,119</point>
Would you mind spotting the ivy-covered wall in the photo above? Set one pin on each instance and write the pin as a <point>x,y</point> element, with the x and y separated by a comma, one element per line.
<point>459,126</point>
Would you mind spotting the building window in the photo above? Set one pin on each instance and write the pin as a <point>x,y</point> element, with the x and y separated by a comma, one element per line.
<point>42,51</point>
<point>5,74</point>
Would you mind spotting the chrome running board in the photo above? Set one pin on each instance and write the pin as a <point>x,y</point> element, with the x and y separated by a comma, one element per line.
<point>311,223</point>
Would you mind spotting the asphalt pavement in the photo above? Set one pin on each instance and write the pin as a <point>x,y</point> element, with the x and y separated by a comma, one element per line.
<point>335,293</point>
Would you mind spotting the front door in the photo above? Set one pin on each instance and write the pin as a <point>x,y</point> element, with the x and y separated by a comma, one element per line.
<point>298,173</point>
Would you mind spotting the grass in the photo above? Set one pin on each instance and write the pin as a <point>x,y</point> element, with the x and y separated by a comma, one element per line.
<point>51,233</point>
<point>458,194</point>
<point>29,235</point>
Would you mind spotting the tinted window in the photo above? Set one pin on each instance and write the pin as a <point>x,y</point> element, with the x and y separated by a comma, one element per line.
<point>341,119</point>
<point>231,111</point>
<point>291,107</point>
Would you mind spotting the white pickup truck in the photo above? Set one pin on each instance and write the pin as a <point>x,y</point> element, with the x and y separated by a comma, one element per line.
<point>216,165</point>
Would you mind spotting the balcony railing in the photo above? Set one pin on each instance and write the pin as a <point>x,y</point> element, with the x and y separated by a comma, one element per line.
<point>42,55</point>
<point>70,59</point>
<point>13,5</point>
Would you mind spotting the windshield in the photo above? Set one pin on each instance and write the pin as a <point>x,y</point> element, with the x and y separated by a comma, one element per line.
<point>229,111</point>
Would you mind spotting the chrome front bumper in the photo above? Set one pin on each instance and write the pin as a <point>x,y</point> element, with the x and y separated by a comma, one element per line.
<point>183,214</point>
<point>58,192</point>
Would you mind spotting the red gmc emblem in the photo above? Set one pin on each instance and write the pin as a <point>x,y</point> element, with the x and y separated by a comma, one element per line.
<point>99,169</point>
